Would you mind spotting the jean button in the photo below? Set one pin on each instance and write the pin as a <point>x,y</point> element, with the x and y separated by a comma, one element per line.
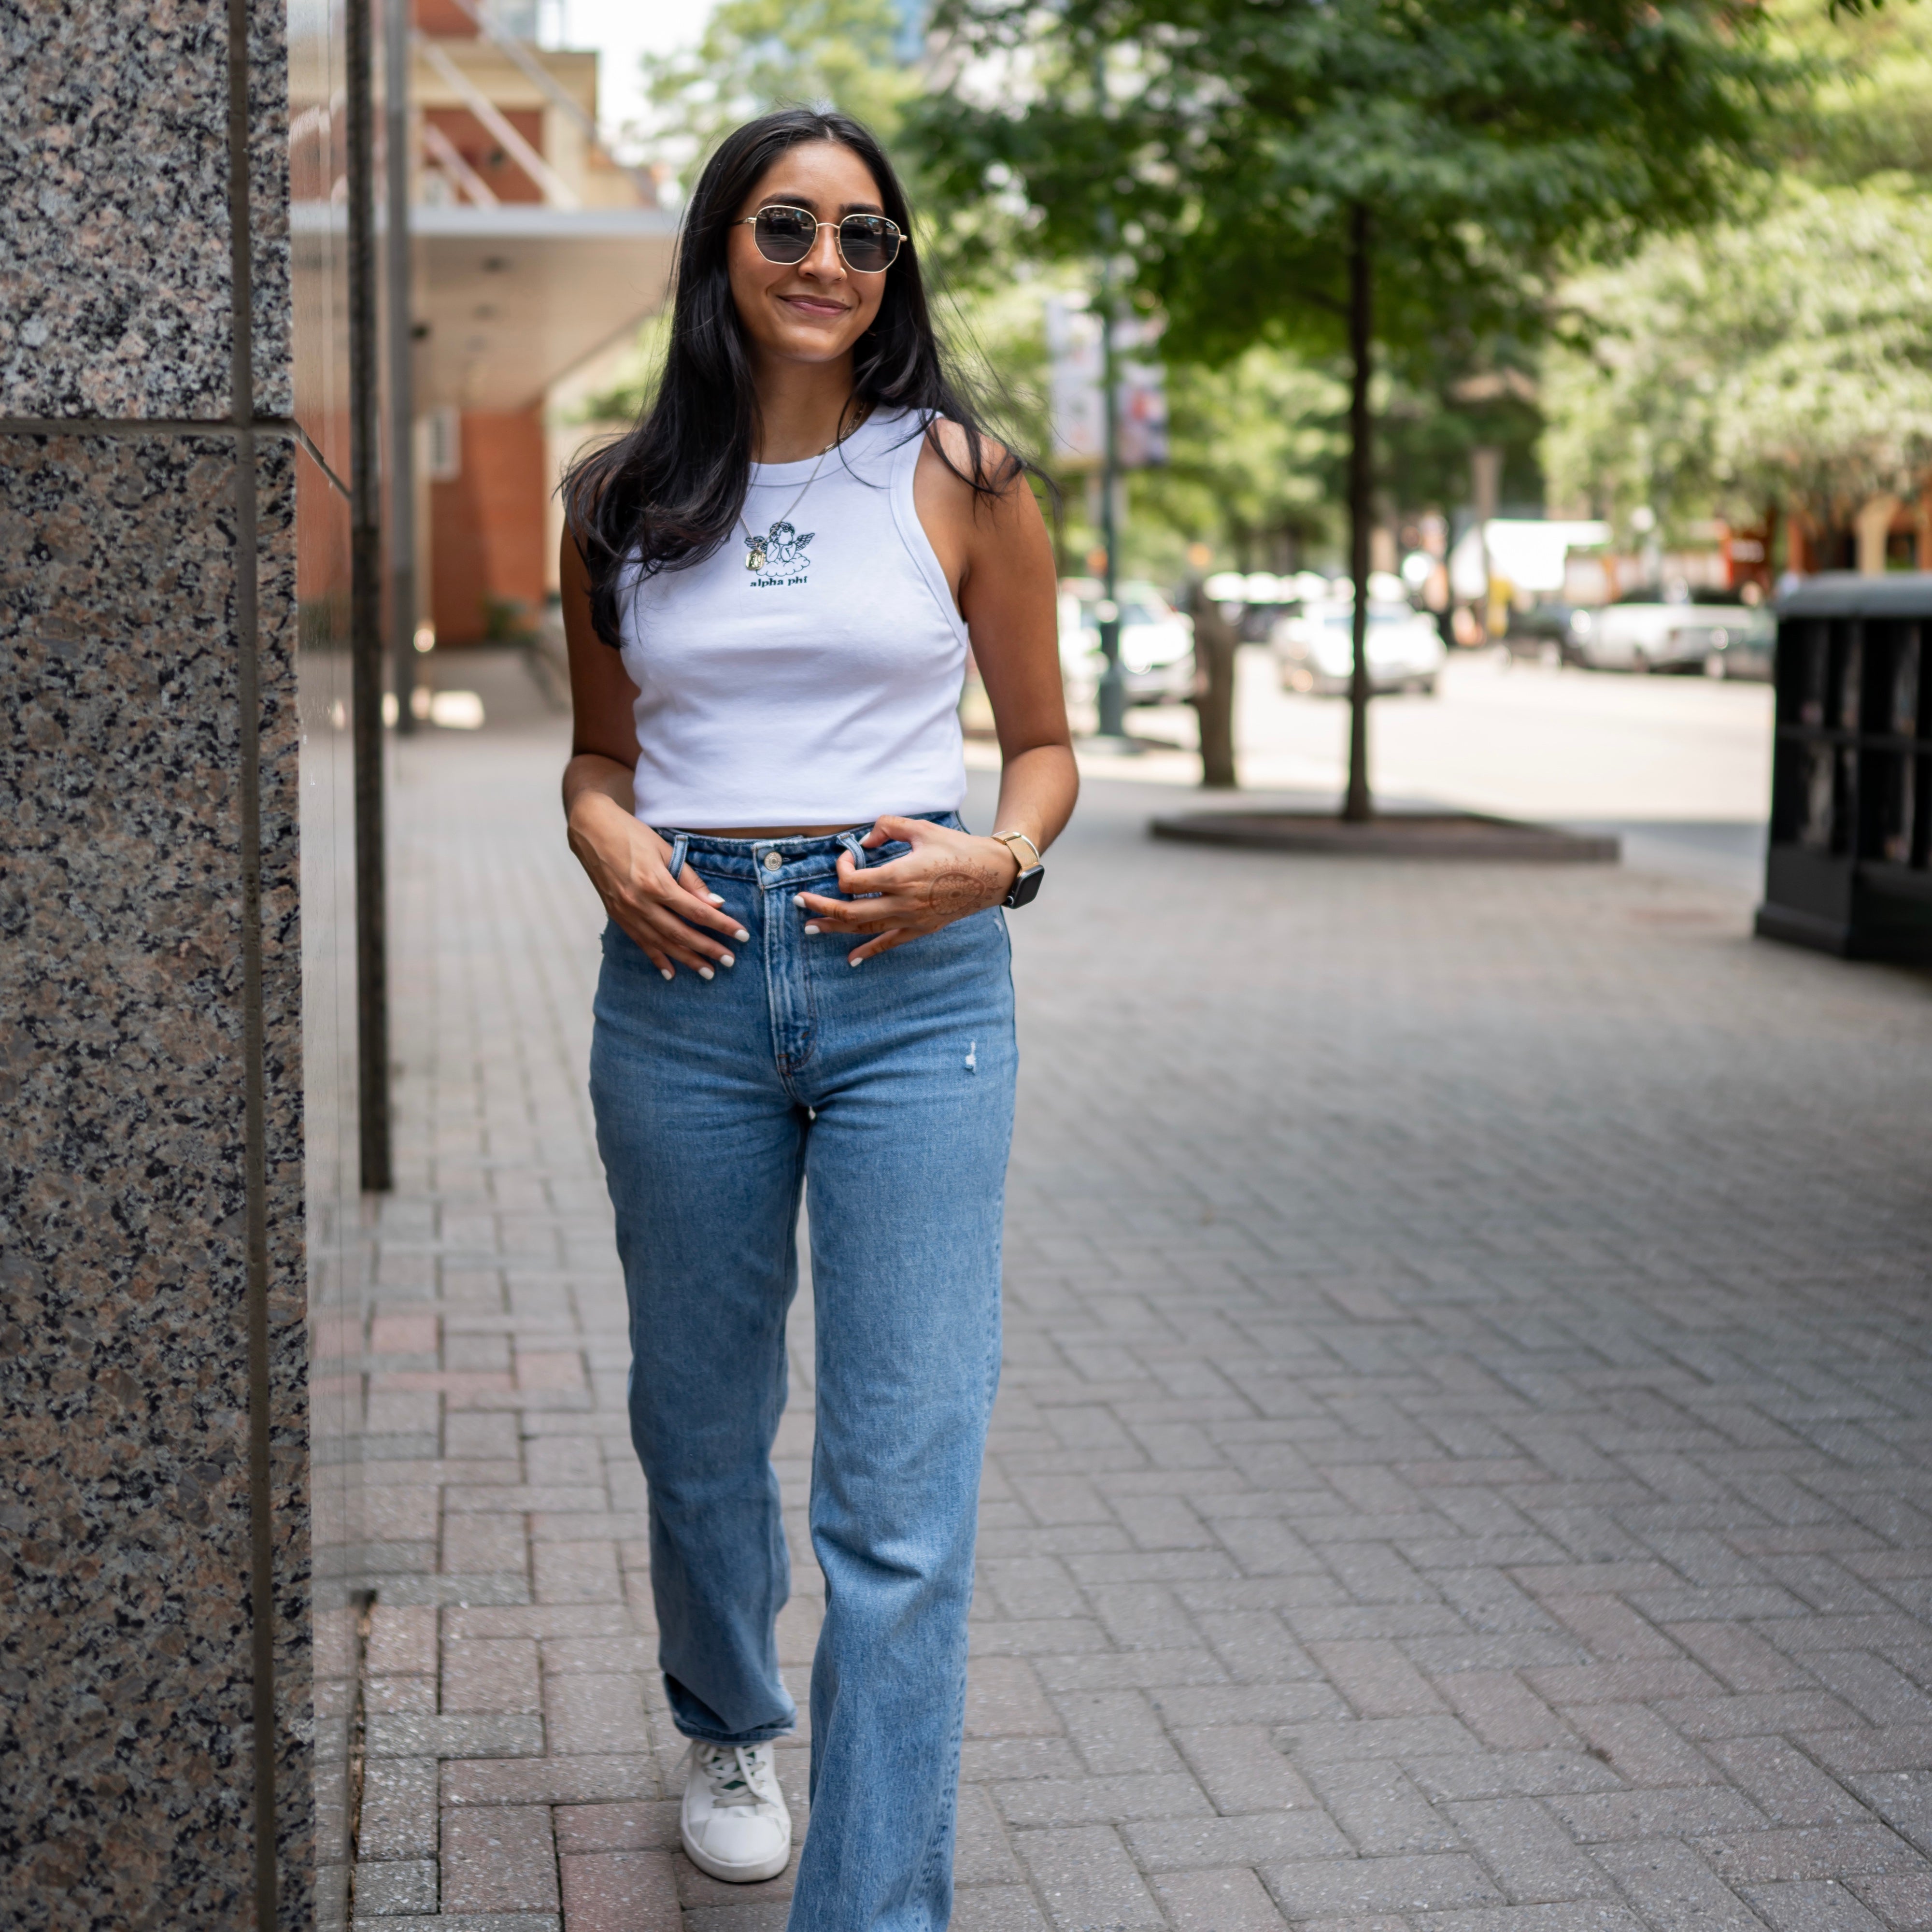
<point>773,860</point>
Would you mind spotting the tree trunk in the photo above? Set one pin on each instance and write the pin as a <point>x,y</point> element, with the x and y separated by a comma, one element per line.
<point>1215,642</point>
<point>1358,807</point>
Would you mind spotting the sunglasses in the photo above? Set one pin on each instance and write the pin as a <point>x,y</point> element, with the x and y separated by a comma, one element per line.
<point>868,245</point>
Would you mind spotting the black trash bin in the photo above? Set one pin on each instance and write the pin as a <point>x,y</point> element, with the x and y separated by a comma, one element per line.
<point>1851,805</point>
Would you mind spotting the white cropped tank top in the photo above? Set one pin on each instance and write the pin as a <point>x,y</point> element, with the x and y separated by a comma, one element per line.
<point>821,688</point>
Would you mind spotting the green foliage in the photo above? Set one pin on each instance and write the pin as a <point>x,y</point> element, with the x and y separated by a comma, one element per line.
<point>1254,448</point>
<point>1786,360</point>
<point>995,336</point>
<point>1871,109</point>
<point>1430,421</point>
<point>1232,139</point>
<point>756,55</point>
<point>507,620</point>
<point>636,378</point>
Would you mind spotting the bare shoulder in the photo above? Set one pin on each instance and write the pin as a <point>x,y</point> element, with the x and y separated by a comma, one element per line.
<point>944,487</point>
<point>950,440</point>
<point>949,452</point>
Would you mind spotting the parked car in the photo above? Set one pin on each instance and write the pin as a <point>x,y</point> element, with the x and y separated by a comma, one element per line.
<point>1314,649</point>
<point>1156,642</point>
<point>1742,643</point>
<point>1678,627</point>
<point>1749,651</point>
<point>1547,630</point>
<point>1254,601</point>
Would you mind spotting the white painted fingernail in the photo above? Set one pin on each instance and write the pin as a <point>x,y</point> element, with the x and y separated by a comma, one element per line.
<point>667,972</point>
<point>855,962</point>
<point>813,930</point>
<point>705,973</point>
<point>742,936</point>
<point>714,899</point>
<point>725,959</point>
<point>798,899</point>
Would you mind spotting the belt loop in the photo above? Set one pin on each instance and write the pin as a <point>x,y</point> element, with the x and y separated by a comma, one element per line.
<point>860,857</point>
<point>680,844</point>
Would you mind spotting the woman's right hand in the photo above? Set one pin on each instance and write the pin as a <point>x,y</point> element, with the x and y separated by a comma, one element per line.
<point>630,866</point>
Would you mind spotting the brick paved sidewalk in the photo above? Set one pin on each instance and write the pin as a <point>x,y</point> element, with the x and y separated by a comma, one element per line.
<point>1461,1462</point>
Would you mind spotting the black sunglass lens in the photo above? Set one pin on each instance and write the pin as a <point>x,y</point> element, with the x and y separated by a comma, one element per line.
<point>783,234</point>
<point>868,241</point>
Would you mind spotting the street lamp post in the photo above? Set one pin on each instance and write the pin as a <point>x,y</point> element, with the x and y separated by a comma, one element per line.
<point>396,55</point>
<point>365,638</point>
<point>1113,691</point>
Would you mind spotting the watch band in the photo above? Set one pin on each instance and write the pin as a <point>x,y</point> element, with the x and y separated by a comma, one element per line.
<point>1026,884</point>
<point>1007,838</point>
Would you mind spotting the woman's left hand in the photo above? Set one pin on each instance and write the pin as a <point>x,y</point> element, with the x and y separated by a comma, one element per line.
<point>946,875</point>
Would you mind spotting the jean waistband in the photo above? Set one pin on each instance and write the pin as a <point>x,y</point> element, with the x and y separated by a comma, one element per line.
<point>751,859</point>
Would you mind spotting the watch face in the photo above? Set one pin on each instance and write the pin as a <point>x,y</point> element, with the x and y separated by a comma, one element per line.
<point>1026,887</point>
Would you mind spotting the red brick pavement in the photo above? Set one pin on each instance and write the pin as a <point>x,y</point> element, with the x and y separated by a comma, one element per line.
<point>1461,1461</point>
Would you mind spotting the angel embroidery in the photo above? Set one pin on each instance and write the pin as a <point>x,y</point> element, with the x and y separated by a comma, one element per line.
<point>779,547</point>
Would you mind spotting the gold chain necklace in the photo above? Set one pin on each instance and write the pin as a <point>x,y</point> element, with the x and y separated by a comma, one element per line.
<point>755,546</point>
<point>755,551</point>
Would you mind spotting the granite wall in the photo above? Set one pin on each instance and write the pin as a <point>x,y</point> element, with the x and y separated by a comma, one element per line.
<point>172,569</point>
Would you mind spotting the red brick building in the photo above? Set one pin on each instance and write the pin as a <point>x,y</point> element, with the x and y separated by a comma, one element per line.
<point>534,250</point>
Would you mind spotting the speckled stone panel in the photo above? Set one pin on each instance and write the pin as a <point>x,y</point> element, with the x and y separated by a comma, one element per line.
<point>126,1763</point>
<point>271,267</point>
<point>338,1268</point>
<point>290,1485</point>
<point>115,288</point>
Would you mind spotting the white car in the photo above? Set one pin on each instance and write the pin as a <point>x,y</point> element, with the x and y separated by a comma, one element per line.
<point>1314,647</point>
<point>1674,627</point>
<point>1156,643</point>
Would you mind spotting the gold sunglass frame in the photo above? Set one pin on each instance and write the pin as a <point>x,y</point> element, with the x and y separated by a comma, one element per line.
<point>751,221</point>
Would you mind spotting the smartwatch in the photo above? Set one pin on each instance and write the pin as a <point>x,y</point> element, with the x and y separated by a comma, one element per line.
<point>1026,887</point>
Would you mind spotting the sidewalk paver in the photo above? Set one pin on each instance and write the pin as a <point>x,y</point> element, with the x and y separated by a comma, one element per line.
<point>1461,1464</point>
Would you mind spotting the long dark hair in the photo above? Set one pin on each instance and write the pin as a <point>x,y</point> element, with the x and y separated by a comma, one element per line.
<point>668,493</point>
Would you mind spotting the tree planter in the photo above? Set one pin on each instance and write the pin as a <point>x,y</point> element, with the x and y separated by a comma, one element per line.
<point>1420,835</point>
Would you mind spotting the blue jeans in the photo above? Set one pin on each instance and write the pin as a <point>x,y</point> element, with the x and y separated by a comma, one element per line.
<point>887,1091</point>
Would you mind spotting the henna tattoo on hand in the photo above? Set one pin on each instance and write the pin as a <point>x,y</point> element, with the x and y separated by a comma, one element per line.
<point>956,894</point>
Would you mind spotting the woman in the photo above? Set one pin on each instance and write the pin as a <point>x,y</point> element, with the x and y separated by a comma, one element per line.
<point>769,586</point>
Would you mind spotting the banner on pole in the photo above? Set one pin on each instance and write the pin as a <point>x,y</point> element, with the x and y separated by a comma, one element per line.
<point>1077,376</point>
<point>1141,385</point>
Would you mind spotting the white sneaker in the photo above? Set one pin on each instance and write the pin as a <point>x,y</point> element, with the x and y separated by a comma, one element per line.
<point>734,1822</point>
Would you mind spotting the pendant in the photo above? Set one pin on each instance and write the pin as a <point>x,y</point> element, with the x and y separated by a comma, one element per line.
<point>754,557</point>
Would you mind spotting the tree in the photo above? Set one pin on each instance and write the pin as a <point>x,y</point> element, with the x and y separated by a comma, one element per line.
<point>1339,174</point>
<point>756,54</point>
<point>1785,360</point>
<point>1216,640</point>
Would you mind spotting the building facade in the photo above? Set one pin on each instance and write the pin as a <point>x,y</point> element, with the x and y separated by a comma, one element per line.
<point>535,250</point>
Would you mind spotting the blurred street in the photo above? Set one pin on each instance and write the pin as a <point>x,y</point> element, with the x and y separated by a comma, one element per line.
<point>1460,1461</point>
<point>1680,766</point>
